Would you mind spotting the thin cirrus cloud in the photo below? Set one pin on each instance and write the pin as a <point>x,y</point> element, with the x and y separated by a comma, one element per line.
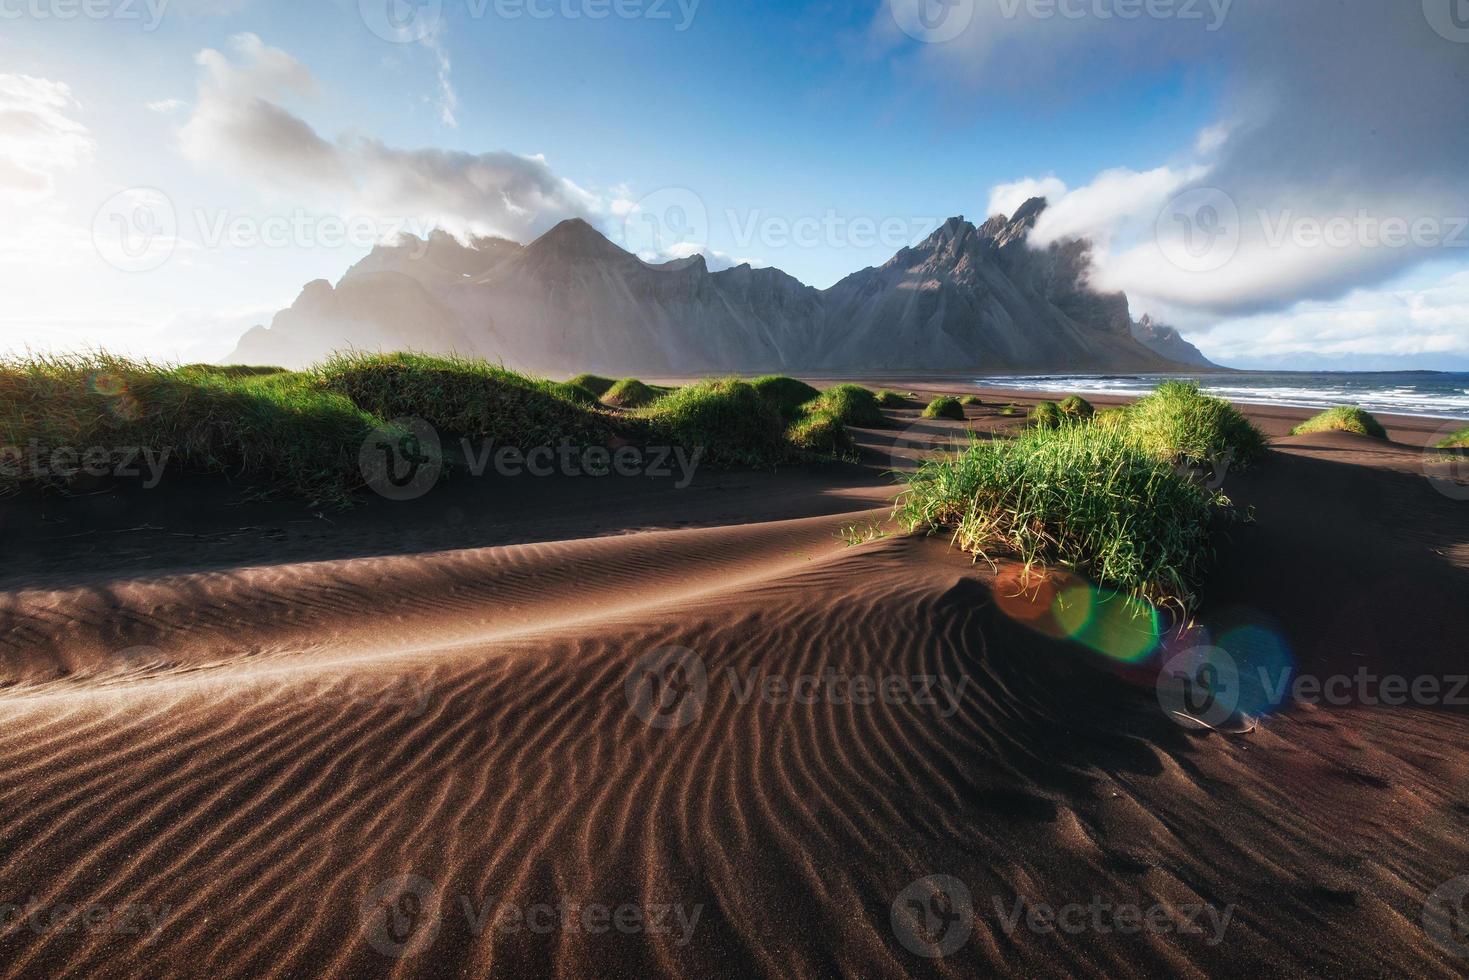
<point>238,123</point>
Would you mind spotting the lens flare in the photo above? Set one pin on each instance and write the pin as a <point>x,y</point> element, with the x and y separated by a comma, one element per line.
<point>109,384</point>
<point>1065,606</point>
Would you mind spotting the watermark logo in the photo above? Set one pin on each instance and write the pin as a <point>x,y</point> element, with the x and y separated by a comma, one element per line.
<point>1450,18</point>
<point>400,917</point>
<point>1199,230</point>
<point>934,916</point>
<point>401,21</point>
<point>1445,918</point>
<point>1212,13</point>
<point>932,21</point>
<point>402,460</point>
<point>667,688</point>
<point>1447,469</point>
<point>1200,685</point>
<point>668,223</point>
<point>136,230</point>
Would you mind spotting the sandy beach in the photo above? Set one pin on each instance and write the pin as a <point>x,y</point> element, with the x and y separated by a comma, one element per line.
<point>442,738</point>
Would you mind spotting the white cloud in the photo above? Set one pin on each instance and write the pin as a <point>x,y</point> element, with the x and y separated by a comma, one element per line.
<point>37,137</point>
<point>237,125</point>
<point>1006,198</point>
<point>166,106</point>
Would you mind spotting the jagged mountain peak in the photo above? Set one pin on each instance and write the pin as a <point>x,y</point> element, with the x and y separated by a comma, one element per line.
<point>575,238</point>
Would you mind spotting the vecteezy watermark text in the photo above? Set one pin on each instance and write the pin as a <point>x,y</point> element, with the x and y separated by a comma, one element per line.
<point>97,918</point>
<point>668,688</point>
<point>1102,916</point>
<point>148,12</point>
<point>403,915</point>
<point>32,461</point>
<point>1212,13</point>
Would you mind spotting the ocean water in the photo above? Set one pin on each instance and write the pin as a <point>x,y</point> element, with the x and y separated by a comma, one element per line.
<point>1428,393</point>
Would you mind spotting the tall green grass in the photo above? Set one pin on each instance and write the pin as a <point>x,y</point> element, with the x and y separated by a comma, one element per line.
<point>1083,497</point>
<point>278,432</point>
<point>1342,418</point>
<point>1180,424</point>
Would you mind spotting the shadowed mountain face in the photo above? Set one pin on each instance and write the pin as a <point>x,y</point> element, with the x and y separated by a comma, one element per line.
<point>1163,339</point>
<point>966,298</point>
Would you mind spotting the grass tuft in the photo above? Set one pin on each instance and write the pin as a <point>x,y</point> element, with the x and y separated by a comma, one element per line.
<point>786,394</point>
<point>464,397</point>
<point>889,399</point>
<point>278,432</point>
<point>631,393</point>
<point>1180,424</point>
<point>1047,415</point>
<point>970,400</point>
<point>1459,440</point>
<point>594,383</point>
<point>1342,418</point>
<point>727,418</point>
<point>852,404</point>
<point>944,407</point>
<point>1077,407</point>
<point>822,434</point>
<point>1080,496</point>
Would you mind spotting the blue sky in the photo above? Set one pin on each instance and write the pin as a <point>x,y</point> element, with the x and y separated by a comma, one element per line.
<point>763,114</point>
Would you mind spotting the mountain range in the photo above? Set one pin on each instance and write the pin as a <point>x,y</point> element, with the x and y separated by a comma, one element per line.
<point>975,299</point>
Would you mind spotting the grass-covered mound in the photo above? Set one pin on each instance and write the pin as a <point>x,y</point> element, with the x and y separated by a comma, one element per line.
<point>464,397</point>
<point>889,399</point>
<point>1459,440</point>
<point>1076,407</point>
<point>1081,496</point>
<point>278,432</point>
<point>234,370</point>
<point>594,383</point>
<point>822,434</point>
<point>851,404</point>
<point>970,400</point>
<point>1342,418</point>
<point>944,407</point>
<point>727,418</point>
<point>575,393</point>
<point>1180,424</point>
<point>1047,415</point>
<point>631,393</point>
<point>786,394</point>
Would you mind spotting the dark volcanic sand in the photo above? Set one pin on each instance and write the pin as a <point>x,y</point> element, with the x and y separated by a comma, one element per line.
<point>251,723</point>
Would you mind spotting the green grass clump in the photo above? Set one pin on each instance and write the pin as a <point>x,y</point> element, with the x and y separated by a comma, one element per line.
<point>594,383</point>
<point>1180,424</point>
<point>1459,440</point>
<point>822,434</point>
<point>1077,407</point>
<point>575,393</point>
<point>1342,418</point>
<point>852,404</point>
<point>234,370</point>
<point>727,418</point>
<point>464,397</point>
<point>1010,411</point>
<point>631,393</point>
<point>786,394</point>
<point>278,432</point>
<point>1082,497</point>
<point>970,400</point>
<point>1047,415</point>
<point>944,407</point>
<point>889,399</point>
